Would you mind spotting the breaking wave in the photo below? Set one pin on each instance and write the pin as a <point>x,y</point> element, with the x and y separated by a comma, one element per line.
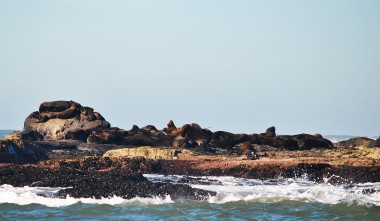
<point>229,189</point>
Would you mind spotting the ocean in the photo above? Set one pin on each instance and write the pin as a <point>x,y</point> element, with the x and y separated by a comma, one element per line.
<point>3,133</point>
<point>237,199</point>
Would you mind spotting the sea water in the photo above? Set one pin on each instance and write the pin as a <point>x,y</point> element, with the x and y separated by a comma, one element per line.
<point>3,133</point>
<point>237,199</point>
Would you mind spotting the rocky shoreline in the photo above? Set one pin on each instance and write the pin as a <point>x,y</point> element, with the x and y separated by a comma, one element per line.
<point>67,145</point>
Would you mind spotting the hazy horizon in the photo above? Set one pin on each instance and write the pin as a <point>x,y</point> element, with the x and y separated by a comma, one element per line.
<point>238,66</point>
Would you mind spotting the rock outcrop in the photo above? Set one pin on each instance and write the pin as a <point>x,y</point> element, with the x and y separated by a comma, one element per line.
<point>74,124</point>
<point>15,150</point>
<point>59,120</point>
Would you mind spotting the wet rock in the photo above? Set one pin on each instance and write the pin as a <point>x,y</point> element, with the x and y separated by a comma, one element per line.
<point>20,152</point>
<point>96,184</point>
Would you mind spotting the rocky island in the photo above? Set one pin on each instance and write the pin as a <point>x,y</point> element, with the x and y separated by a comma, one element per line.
<point>65,144</point>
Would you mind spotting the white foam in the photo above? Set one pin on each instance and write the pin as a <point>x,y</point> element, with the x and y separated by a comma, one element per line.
<point>47,196</point>
<point>229,189</point>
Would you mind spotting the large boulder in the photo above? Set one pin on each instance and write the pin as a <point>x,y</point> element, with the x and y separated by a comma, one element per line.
<point>59,120</point>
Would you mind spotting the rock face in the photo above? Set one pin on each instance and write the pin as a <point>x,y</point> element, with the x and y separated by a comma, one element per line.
<point>354,142</point>
<point>15,150</point>
<point>68,120</point>
<point>59,120</point>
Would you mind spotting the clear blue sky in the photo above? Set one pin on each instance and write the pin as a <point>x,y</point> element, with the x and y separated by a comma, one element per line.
<point>240,66</point>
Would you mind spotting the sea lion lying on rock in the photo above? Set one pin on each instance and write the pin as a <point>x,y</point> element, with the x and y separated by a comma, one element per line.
<point>354,142</point>
<point>64,114</point>
<point>54,106</point>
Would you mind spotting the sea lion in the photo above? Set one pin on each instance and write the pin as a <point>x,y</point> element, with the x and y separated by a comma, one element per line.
<point>271,132</point>
<point>70,112</point>
<point>54,106</point>
<point>170,127</point>
<point>249,151</point>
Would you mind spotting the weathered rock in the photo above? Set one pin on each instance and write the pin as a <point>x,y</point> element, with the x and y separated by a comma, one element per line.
<point>58,119</point>
<point>147,152</point>
<point>354,142</point>
<point>18,151</point>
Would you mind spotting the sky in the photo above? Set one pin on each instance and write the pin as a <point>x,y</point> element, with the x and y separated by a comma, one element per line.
<point>238,66</point>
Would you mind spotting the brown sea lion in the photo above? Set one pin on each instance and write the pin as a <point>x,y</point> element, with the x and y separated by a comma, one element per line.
<point>65,114</point>
<point>170,127</point>
<point>54,106</point>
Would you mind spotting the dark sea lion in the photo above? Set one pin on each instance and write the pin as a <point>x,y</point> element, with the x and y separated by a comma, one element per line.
<point>271,132</point>
<point>65,114</point>
<point>86,110</point>
<point>170,127</point>
<point>54,106</point>
<point>98,116</point>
